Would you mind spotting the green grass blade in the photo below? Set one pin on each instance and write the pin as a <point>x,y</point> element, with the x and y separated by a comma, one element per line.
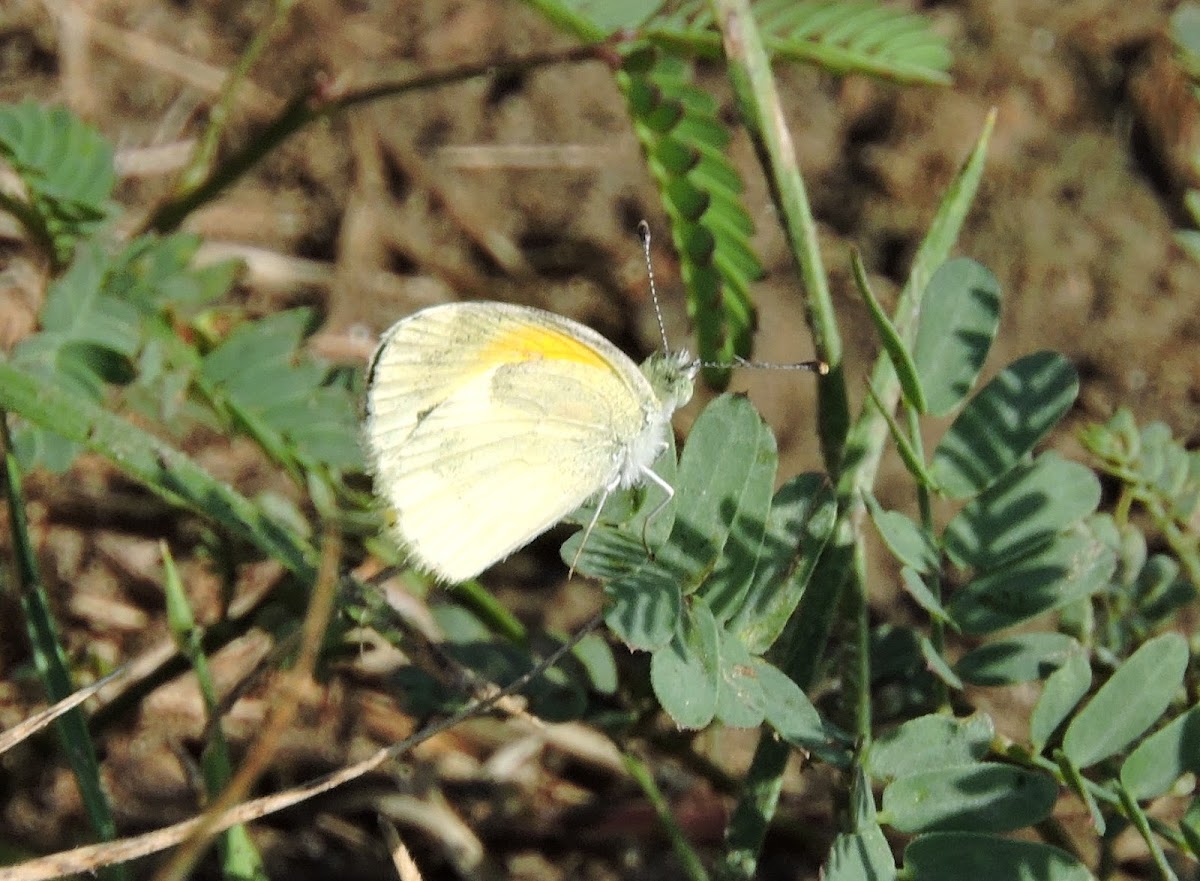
<point>758,102</point>
<point>51,662</point>
<point>239,857</point>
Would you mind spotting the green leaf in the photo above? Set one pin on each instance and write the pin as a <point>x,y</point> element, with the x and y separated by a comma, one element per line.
<point>960,315</point>
<point>725,588</point>
<point>860,36</point>
<point>1022,512</point>
<point>953,856</point>
<point>1156,466</point>
<point>608,16</point>
<point>1132,700</point>
<point>1160,589</point>
<point>1164,757</point>
<point>1063,691</point>
<point>938,665</point>
<point>1189,825</point>
<point>253,346</point>
<point>985,797</point>
<point>92,363</point>
<point>271,390</point>
<point>803,513</point>
<point>34,445</point>
<point>155,272</point>
<point>88,340</point>
<point>646,606</point>
<point>1185,28</point>
<point>1003,422</point>
<point>1074,566</point>
<point>740,699</point>
<point>1021,658</point>
<point>893,344</point>
<point>684,140</point>
<point>67,167</point>
<point>929,743</point>
<point>862,856</point>
<point>788,709</point>
<point>162,468</point>
<point>910,545</point>
<point>685,674</point>
<point>916,588</point>
<point>77,309</point>
<point>595,656</point>
<point>721,492</point>
<point>315,418</point>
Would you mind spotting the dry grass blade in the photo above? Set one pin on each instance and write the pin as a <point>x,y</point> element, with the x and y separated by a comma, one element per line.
<point>37,722</point>
<point>406,866</point>
<point>93,856</point>
<point>297,681</point>
<point>443,828</point>
<point>144,50</point>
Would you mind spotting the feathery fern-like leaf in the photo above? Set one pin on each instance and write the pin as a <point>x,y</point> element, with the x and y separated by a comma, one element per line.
<point>684,141</point>
<point>840,36</point>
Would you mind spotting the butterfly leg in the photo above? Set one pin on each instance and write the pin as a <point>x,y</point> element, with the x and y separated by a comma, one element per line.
<point>591,525</point>
<point>669,490</point>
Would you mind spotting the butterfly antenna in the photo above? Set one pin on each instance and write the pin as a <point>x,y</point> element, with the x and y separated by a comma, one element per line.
<point>644,235</point>
<point>818,367</point>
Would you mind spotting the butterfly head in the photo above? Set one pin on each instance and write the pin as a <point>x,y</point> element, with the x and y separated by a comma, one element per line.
<point>672,375</point>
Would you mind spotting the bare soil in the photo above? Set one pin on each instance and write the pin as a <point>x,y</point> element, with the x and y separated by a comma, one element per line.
<point>527,190</point>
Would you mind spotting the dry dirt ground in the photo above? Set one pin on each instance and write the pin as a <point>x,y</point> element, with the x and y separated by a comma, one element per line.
<point>527,190</point>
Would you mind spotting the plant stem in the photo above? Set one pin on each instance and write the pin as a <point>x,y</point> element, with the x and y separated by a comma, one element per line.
<point>312,105</point>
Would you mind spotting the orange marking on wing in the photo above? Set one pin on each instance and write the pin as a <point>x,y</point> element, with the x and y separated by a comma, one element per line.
<point>540,343</point>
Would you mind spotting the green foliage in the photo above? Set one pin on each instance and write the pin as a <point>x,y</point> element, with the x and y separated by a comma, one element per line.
<point>1131,701</point>
<point>951,856</point>
<point>859,36</point>
<point>132,318</point>
<point>928,743</point>
<point>1022,657</point>
<point>840,36</point>
<point>729,563</point>
<point>978,797</point>
<point>730,584</point>
<point>263,384</point>
<point>67,170</point>
<point>1164,757</point>
<point>684,140</point>
<point>1185,33</point>
<point>1003,423</point>
<point>961,314</point>
<point>1157,473</point>
<point>1028,541</point>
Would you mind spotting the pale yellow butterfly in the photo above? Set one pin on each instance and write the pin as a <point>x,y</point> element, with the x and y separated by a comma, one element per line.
<point>488,423</point>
